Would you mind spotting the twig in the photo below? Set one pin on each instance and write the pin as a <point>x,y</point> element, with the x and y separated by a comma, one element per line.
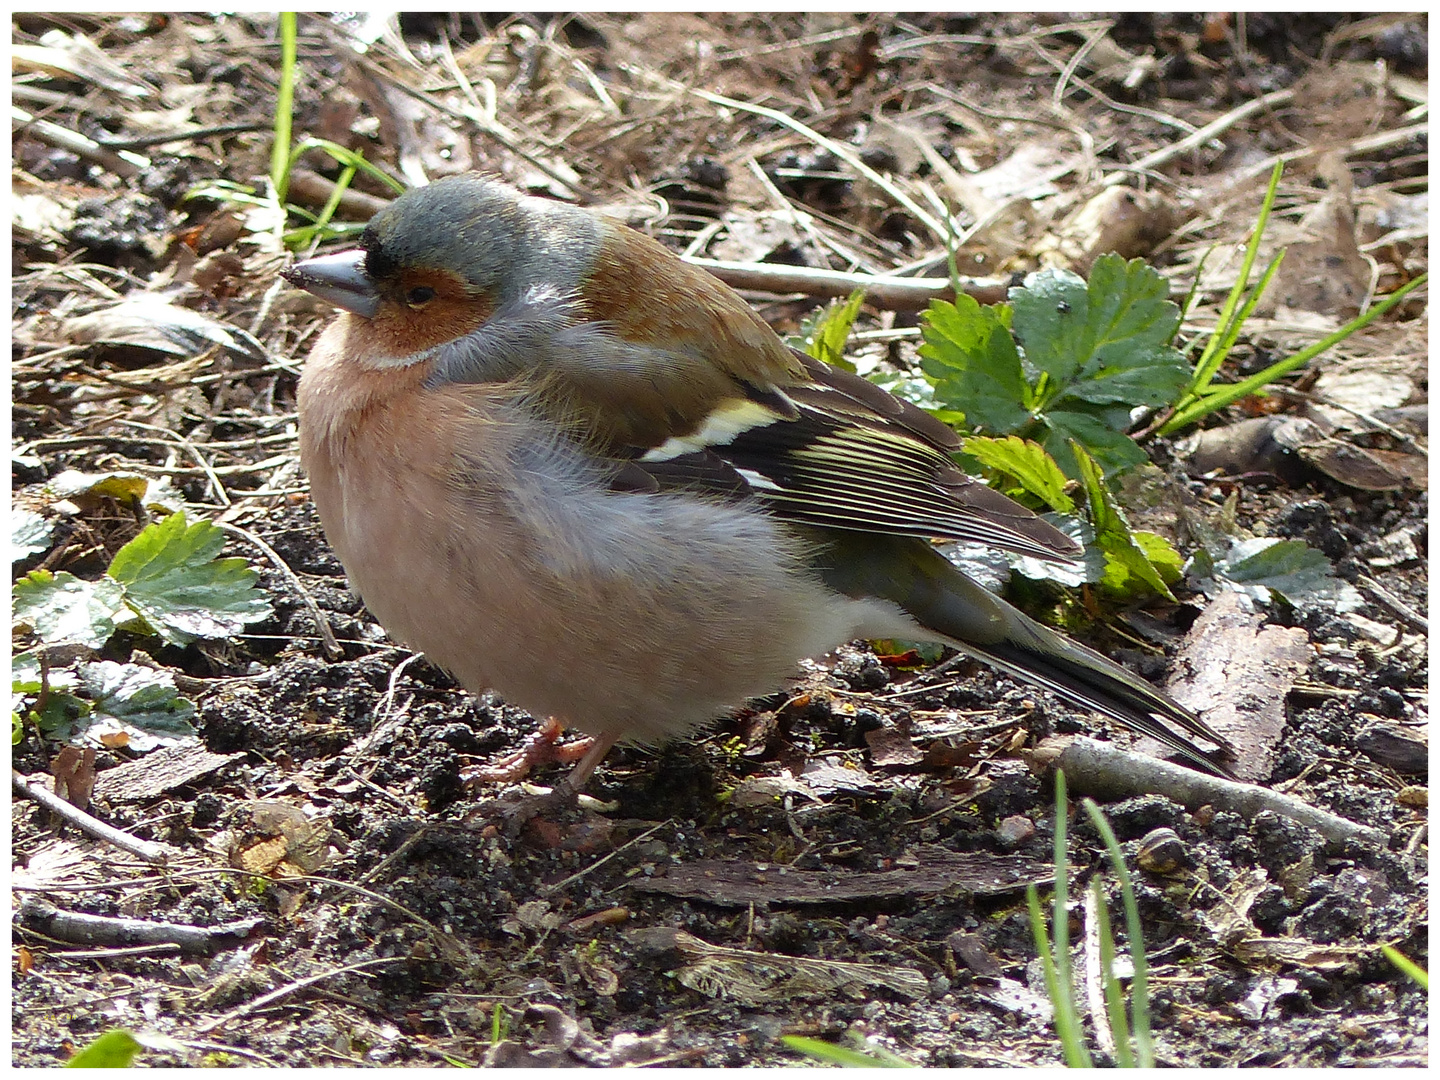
<point>387,699</point>
<point>1366,144</point>
<point>378,870</point>
<point>143,849</point>
<point>122,163</point>
<point>1108,773</point>
<point>497,131</point>
<point>1394,603</point>
<point>140,142</point>
<point>160,948</point>
<point>1094,973</point>
<point>209,470</point>
<point>322,624</point>
<point>899,293</point>
<point>285,991</point>
<point>1205,134</point>
<point>1374,421</point>
<point>86,929</point>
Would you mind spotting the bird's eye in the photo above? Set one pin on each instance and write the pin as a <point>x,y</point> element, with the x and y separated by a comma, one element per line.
<point>420,296</point>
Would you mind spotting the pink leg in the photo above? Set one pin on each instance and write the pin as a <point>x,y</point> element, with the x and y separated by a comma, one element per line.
<point>542,747</point>
<point>574,781</point>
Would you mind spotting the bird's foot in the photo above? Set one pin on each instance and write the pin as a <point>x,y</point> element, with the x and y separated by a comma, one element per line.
<point>542,748</point>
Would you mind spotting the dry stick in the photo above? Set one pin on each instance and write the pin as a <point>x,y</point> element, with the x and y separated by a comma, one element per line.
<point>322,624</point>
<point>84,929</point>
<point>805,221</point>
<point>122,163</point>
<point>1394,603</point>
<point>71,442</point>
<point>1068,69</point>
<point>144,849</point>
<point>1374,421</point>
<point>563,882</point>
<point>1094,976</point>
<point>162,948</point>
<point>722,56</point>
<point>218,470</point>
<point>1109,773</point>
<point>900,293</point>
<point>285,991</point>
<point>1205,134</point>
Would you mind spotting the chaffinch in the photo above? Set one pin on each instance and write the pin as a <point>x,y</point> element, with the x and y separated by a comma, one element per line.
<point>568,466</point>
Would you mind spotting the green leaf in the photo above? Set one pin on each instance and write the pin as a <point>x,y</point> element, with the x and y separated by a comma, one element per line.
<point>1126,565</point>
<point>29,533</point>
<point>971,358</point>
<point>1028,464</point>
<point>1107,342</point>
<point>63,609</point>
<point>60,710</point>
<point>26,676</point>
<point>139,702</point>
<point>1161,554</point>
<point>128,488</point>
<point>825,336</point>
<point>1114,450</point>
<point>174,582</point>
<point>59,715</point>
<point>115,1049</point>
<point>1287,567</point>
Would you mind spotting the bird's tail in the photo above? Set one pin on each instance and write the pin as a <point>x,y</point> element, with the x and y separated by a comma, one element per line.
<point>957,611</point>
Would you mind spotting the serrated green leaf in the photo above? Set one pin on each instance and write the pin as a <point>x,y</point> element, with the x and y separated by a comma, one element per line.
<point>1126,566</point>
<point>63,609</point>
<point>1288,567</point>
<point>970,357</point>
<point>1157,377</point>
<point>173,581</point>
<point>1032,468</point>
<point>138,701</point>
<point>1105,342</point>
<point>29,533</point>
<point>1161,554</point>
<point>25,673</point>
<point>825,336</point>
<point>60,714</point>
<point>1051,319</point>
<point>1113,449</point>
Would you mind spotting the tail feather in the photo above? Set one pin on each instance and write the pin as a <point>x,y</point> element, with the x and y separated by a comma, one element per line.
<point>957,611</point>
<point>1095,685</point>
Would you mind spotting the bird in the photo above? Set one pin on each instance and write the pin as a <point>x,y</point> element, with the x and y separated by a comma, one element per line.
<point>572,468</point>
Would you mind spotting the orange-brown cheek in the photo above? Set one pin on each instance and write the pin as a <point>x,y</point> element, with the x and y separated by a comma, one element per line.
<point>399,330</point>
